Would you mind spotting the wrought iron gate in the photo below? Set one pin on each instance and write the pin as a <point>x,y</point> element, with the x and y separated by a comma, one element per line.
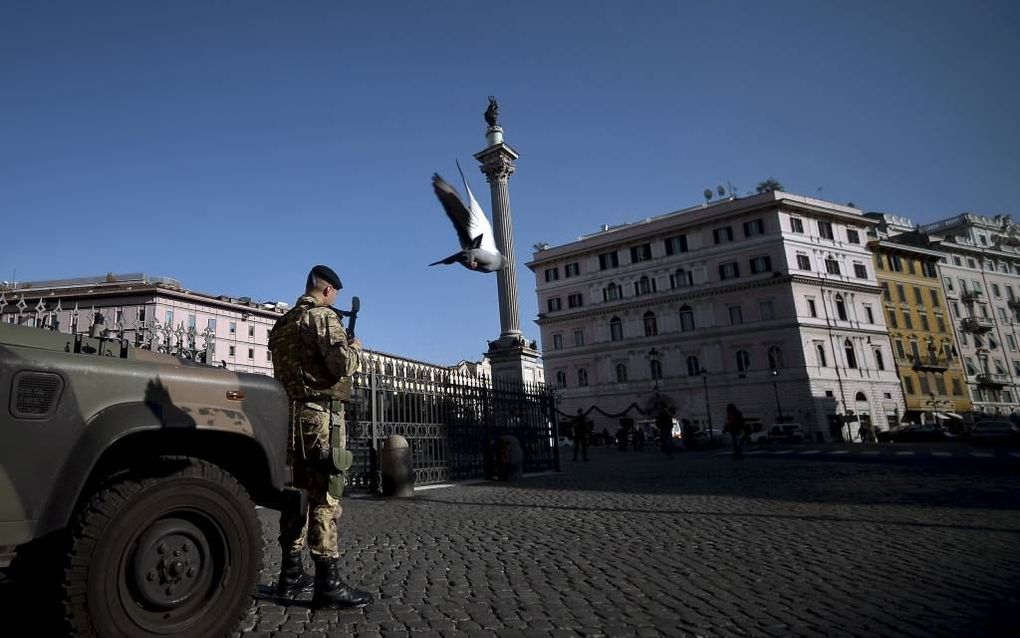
<point>450,419</point>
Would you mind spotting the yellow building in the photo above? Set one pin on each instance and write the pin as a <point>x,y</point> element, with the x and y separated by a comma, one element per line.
<point>921,331</point>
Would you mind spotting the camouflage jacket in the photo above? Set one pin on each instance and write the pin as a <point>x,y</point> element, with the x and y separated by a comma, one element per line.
<point>311,355</point>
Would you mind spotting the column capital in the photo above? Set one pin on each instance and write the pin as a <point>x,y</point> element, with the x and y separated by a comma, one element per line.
<point>497,161</point>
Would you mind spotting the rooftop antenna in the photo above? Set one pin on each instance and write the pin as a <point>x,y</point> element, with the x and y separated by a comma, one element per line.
<point>708,196</point>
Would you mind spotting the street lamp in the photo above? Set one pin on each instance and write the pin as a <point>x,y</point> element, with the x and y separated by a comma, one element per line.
<point>708,410</point>
<point>775,390</point>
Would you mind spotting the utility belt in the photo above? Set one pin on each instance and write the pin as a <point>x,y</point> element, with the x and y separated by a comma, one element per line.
<point>335,460</point>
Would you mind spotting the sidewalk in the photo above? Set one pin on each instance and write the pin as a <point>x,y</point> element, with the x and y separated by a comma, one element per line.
<point>640,544</point>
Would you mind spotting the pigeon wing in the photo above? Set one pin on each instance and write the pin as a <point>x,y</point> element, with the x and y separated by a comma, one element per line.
<point>479,223</point>
<point>455,209</point>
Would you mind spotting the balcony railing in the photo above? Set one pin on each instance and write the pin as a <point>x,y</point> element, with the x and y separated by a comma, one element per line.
<point>970,296</point>
<point>993,379</point>
<point>931,364</point>
<point>977,324</point>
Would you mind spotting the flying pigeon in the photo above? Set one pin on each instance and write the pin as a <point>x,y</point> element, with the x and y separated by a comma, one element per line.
<point>477,247</point>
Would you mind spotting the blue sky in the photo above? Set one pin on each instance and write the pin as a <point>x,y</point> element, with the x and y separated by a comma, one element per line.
<point>232,145</point>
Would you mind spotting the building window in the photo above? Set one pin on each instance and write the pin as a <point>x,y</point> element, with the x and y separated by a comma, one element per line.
<point>901,292</point>
<point>935,298</point>
<point>908,323</point>
<point>767,310</point>
<point>812,311</point>
<point>578,338</point>
<point>940,323</point>
<point>572,270</point>
<point>686,319</point>
<point>996,291</point>
<point>722,235</point>
<point>923,382</point>
<point>621,373</point>
<point>140,314</point>
<point>860,271</point>
<point>754,227</point>
<point>885,291</point>
<point>210,325</point>
<point>831,265</point>
<point>552,274</point>
<point>557,341</point>
<point>796,225</point>
<point>644,286</point>
<point>775,355</point>
<point>676,245</point>
<point>233,327</point>
<point>851,356</point>
<point>251,353</point>
<point>892,319</point>
<point>1011,342</point>
<point>825,230</point>
<point>929,269</point>
<point>879,361</point>
<point>743,361</point>
<point>924,322</point>
<point>169,317</point>
<point>612,292</point>
<point>908,385</point>
<point>582,378</point>
<point>269,356</point>
<point>957,387</point>
<point>729,270</point>
<point>803,262</point>
<point>251,331</point>
<point>840,308</point>
<point>655,367</point>
<point>693,366</point>
<point>736,317</point>
<point>948,282</point>
<point>575,300</point>
<point>900,354</point>
<point>651,327</point>
<point>554,304</point>
<point>615,329</point>
<point>761,264</point>
<point>852,236</point>
<point>681,279</point>
<point>820,353</point>
<point>895,263</point>
<point>609,260</point>
<point>232,351</point>
<point>869,315</point>
<point>640,253</point>
<point>561,379</point>
<point>918,297</point>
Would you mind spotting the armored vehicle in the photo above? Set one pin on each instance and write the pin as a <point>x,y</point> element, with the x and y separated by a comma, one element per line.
<point>137,474</point>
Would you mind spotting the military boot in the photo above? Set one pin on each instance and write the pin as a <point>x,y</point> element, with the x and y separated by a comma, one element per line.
<point>293,577</point>
<point>332,592</point>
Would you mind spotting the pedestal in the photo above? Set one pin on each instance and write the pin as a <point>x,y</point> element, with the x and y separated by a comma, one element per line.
<point>515,360</point>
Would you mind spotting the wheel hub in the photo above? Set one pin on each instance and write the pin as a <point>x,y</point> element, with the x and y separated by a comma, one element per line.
<point>168,563</point>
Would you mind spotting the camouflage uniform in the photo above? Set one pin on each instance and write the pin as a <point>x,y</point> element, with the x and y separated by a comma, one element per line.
<point>314,361</point>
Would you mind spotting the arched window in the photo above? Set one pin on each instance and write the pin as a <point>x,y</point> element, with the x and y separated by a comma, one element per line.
<point>743,361</point>
<point>561,379</point>
<point>656,368</point>
<point>879,361</point>
<point>851,357</point>
<point>820,353</point>
<point>651,327</point>
<point>693,366</point>
<point>615,329</point>
<point>611,292</point>
<point>621,373</point>
<point>686,319</point>
<point>582,378</point>
<point>775,358</point>
<point>860,397</point>
<point>644,285</point>
<point>681,279</point>
<point>840,308</point>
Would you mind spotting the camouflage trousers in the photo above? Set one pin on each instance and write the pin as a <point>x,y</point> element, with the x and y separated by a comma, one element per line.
<point>319,526</point>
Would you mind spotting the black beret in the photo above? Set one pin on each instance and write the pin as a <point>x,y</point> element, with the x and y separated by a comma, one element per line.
<point>325,273</point>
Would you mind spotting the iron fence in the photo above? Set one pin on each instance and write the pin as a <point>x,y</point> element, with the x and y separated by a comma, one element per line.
<point>451,420</point>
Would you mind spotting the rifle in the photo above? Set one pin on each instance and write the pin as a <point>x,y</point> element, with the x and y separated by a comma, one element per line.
<point>352,314</point>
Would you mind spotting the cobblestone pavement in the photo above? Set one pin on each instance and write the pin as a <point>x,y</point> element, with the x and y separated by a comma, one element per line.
<point>699,544</point>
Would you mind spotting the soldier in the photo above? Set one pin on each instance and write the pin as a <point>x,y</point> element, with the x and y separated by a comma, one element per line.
<point>580,432</point>
<point>314,360</point>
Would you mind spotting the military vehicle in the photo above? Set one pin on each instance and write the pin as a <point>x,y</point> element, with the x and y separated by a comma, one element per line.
<point>137,474</point>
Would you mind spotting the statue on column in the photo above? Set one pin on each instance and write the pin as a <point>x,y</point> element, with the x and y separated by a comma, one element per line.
<point>492,113</point>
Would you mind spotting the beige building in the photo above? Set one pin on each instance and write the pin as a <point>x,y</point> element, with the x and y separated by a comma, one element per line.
<point>769,302</point>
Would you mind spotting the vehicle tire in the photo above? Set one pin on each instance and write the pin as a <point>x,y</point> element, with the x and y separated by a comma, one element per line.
<point>174,552</point>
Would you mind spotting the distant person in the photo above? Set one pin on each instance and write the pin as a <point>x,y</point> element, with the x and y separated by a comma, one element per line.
<point>736,429</point>
<point>664,423</point>
<point>580,433</point>
<point>607,438</point>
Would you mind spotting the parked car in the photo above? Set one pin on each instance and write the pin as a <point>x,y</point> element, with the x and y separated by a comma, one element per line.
<point>995,432</point>
<point>779,433</point>
<point>914,433</point>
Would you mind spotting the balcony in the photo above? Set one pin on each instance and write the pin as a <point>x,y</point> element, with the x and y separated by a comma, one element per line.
<point>970,296</point>
<point>931,364</point>
<point>977,325</point>
<point>993,379</point>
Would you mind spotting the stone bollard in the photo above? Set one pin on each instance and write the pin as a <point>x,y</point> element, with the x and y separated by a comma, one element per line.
<point>509,458</point>
<point>395,467</point>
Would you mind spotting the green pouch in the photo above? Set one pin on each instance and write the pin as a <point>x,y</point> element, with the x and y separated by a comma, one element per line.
<point>343,459</point>
<point>336,485</point>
